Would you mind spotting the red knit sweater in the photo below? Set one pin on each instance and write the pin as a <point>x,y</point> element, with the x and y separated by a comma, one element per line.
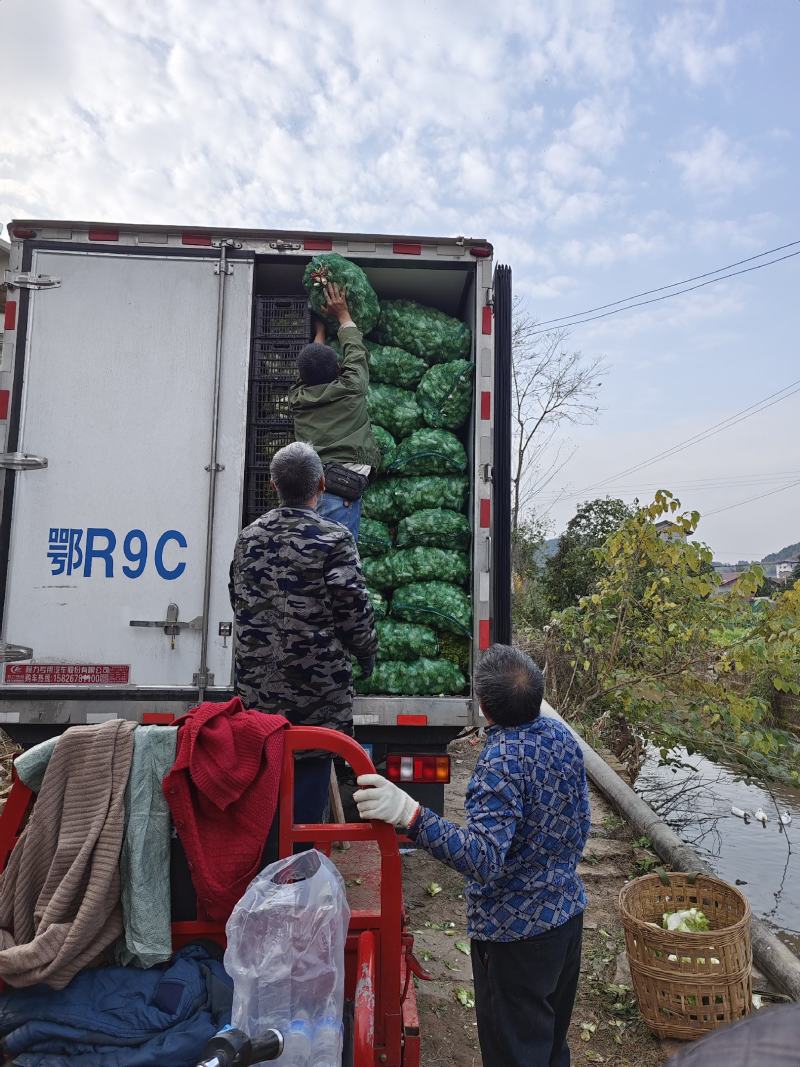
<point>222,792</point>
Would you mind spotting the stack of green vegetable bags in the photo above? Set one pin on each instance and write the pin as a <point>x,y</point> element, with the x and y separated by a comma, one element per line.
<point>415,535</point>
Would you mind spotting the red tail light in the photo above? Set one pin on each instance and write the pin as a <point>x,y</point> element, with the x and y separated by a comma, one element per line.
<point>480,253</point>
<point>23,232</point>
<point>196,239</point>
<point>431,769</point>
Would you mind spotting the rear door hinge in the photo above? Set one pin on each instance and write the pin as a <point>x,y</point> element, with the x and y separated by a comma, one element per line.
<point>21,461</point>
<point>490,297</point>
<point>20,280</point>
<point>285,246</point>
<point>12,653</point>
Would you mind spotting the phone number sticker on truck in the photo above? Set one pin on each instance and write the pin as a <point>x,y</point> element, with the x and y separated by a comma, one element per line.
<point>67,673</point>
<point>98,551</point>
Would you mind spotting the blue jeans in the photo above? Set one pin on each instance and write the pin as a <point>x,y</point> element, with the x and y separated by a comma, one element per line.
<point>346,512</point>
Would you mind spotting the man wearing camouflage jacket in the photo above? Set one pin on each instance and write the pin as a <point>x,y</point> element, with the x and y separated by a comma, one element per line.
<point>302,614</point>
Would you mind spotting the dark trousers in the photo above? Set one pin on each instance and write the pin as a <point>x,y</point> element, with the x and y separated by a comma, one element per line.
<point>524,993</point>
<point>312,779</point>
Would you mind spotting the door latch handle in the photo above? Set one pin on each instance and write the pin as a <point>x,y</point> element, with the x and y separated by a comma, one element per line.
<point>170,625</point>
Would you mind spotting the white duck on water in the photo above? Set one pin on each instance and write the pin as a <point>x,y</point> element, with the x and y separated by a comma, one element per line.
<point>741,814</point>
<point>761,816</point>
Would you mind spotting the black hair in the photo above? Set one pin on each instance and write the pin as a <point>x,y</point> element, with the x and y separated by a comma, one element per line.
<point>317,364</point>
<point>509,686</point>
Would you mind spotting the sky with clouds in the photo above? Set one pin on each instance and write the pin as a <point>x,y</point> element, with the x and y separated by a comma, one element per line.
<point>604,147</point>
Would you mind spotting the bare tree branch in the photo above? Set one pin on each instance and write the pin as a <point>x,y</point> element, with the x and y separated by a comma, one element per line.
<point>550,386</point>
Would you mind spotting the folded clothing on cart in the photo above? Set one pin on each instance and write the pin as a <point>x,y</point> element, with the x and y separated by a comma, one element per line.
<point>120,1016</point>
<point>145,849</point>
<point>60,892</point>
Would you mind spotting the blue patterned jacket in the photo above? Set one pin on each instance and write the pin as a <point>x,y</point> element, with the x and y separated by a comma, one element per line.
<point>527,822</point>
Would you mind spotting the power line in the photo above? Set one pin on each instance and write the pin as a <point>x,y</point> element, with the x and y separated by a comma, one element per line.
<point>750,499</point>
<point>672,285</point>
<point>667,296</point>
<point>675,483</point>
<point>732,420</point>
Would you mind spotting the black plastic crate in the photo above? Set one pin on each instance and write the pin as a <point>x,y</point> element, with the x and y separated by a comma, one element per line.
<point>264,441</point>
<point>260,496</point>
<point>282,316</point>
<point>276,358</point>
<point>269,403</point>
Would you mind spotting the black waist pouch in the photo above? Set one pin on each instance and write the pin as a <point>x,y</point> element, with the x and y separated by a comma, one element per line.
<point>347,484</point>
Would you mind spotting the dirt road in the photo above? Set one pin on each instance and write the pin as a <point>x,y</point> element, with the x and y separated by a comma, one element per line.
<point>606,1025</point>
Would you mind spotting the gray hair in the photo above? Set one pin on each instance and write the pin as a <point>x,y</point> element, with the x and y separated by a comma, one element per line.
<point>296,470</point>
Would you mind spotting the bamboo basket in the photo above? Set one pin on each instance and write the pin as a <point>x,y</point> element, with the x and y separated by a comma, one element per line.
<point>688,984</point>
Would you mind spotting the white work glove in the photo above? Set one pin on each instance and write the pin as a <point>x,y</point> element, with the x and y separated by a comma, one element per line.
<point>378,798</point>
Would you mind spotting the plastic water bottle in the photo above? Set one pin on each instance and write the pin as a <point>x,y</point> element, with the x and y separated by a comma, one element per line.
<point>327,1045</point>
<point>298,1044</point>
<point>285,954</point>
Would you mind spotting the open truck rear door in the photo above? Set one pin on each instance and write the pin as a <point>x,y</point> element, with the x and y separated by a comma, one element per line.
<point>129,399</point>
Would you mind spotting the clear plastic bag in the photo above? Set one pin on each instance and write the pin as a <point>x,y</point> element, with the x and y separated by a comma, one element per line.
<point>285,953</point>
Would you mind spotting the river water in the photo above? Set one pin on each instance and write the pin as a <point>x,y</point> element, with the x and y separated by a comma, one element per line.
<point>696,801</point>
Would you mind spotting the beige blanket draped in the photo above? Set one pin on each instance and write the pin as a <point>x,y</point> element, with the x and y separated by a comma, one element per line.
<point>60,893</point>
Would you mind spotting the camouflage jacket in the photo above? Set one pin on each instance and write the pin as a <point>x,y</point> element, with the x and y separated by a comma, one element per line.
<point>301,610</point>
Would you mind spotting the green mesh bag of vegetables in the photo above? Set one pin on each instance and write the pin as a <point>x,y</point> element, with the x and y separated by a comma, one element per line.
<point>445,395</point>
<point>380,608</point>
<point>393,366</point>
<point>423,331</point>
<point>425,677</point>
<point>330,268</point>
<point>387,446</point>
<point>374,538</point>
<point>389,365</point>
<point>438,604</point>
<point>456,648</point>
<point>394,409</point>
<point>378,501</point>
<point>378,572</point>
<point>430,452</point>
<point>429,491</point>
<point>405,640</point>
<point>434,528</point>
<point>422,564</point>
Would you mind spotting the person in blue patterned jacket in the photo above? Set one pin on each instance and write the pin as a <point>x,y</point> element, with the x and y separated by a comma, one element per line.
<point>527,810</point>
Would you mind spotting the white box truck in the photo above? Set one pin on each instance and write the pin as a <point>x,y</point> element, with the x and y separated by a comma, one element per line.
<point>125,447</point>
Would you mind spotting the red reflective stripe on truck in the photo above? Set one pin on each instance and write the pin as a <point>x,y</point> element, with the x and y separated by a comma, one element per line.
<point>486,404</point>
<point>486,513</point>
<point>484,633</point>
<point>402,248</point>
<point>195,239</point>
<point>412,720</point>
<point>5,397</point>
<point>487,320</point>
<point>158,718</point>
<point>317,244</point>
<point>103,235</point>
<point>10,318</point>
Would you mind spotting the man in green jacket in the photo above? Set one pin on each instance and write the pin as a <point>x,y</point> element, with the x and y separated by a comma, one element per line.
<point>330,412</point>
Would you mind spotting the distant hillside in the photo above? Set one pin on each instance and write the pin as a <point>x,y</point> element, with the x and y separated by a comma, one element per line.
<point>548,549</point>
<point>790,552</point>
